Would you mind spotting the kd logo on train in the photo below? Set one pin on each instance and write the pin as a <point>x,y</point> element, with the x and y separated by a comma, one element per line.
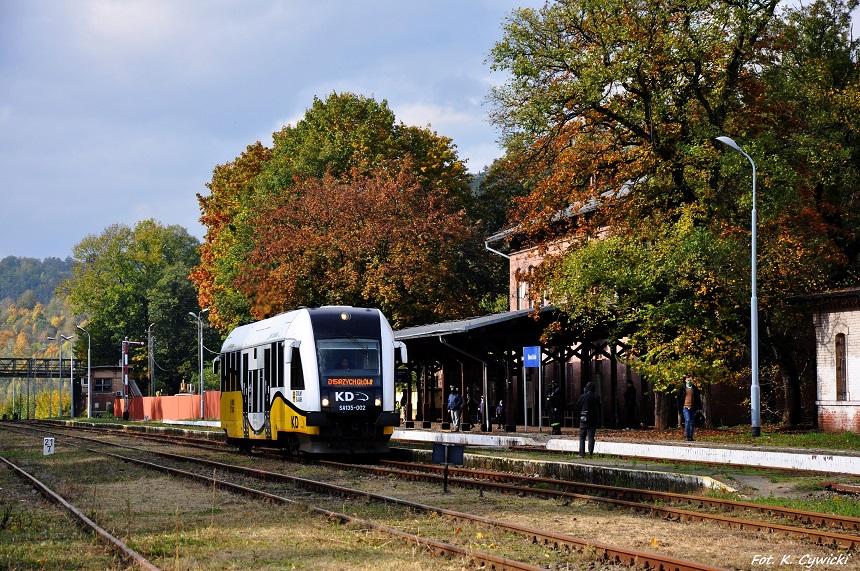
<point>342,396</point>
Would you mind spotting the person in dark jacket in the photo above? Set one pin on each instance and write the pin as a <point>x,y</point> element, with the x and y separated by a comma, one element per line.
<point>500,414</point>
<point>455,406</point>
<point>589,418</point>
<point>689,403</point>
<point>553,401</point>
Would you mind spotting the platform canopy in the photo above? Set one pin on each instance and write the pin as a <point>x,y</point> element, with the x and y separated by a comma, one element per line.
<point>486,336</point>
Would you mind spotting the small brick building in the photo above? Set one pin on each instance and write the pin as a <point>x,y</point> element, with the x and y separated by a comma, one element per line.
<point>836,316</point>
<point>107,384</point>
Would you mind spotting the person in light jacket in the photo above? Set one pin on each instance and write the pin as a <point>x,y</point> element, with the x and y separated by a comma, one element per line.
<point>689,403</point>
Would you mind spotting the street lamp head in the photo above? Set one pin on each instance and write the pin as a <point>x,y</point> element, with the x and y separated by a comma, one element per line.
<point>192,314</point>
<point>729,142</point>
<point>204,310</point>
<point>67,337</point>
<point>51,338</point>
<point>81,328</point>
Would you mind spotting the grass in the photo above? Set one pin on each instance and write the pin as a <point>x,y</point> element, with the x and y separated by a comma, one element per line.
<point>115,420</point>
<point>783,438</point>
<point>37,535</point>
<point>179,524</point>
<point>830,504</point>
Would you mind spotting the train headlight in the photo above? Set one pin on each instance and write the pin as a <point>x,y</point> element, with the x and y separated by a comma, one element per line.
<point>377,402</point>
<point>325,402</point>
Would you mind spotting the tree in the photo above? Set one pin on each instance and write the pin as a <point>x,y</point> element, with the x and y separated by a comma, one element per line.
<point>375,240</point>
<point>341,139</point>
<point>126,278</point>
<point>617,103</point>
<point>227,240</point>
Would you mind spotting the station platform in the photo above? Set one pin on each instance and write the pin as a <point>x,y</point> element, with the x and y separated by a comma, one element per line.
<point>614,444</point>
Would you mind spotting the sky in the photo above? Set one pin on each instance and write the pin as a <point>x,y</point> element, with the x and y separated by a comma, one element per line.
<point>117,111</point>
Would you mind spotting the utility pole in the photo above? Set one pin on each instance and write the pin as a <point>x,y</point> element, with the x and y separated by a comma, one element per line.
<point>60,374</point>
<point>71,381</point>
<point>150,348</point>
<point>125,344</point>
<point>89,378</point>
<point>199,317</point>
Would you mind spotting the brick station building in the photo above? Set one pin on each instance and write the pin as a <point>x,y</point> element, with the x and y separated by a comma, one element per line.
<point>836,317</point>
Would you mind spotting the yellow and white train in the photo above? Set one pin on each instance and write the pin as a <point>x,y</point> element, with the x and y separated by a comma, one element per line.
<point>319,381</point>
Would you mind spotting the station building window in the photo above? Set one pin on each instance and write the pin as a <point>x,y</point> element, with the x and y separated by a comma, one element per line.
<point>841,368</point>
<point>102,385</point>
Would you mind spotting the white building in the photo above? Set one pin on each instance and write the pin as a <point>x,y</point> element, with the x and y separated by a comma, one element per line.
<point>836,315</point>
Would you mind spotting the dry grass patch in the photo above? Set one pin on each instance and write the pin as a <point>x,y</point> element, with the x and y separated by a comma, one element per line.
<point>179,524</point>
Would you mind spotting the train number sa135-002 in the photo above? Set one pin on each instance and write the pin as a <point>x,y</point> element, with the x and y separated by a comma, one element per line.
<point>351,401</point>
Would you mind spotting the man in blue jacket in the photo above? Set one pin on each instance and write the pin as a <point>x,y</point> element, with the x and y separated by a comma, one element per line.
<point>455,405</point>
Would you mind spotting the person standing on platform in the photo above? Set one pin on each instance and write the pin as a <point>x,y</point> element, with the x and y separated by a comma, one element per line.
<point>689,403</point>
<point>553,401</point>
<point>466,414</point>
<point>455,405</point>
<point>590,414</point>
<point>404,399</point>
<point>482,413</point>
<point>500,414</point>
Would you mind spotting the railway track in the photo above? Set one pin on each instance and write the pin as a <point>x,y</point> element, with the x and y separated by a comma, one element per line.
<point>114,543</point>
<point>628,498</point>
<point>636,495</point>
<point>630,557</point>
<point>821,537</point>
<point>845,523</point>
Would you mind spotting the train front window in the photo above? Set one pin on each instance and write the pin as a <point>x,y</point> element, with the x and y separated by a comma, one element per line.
<point>348,357</point>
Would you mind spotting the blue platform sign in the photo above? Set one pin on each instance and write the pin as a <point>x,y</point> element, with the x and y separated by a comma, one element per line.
<point>531,357</point>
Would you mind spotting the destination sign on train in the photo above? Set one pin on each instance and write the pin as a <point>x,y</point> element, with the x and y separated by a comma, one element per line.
<point>350,382</point>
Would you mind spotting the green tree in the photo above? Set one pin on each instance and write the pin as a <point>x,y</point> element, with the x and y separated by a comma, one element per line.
<point>127,278</point>
<point>345,137</point>
<point>617,103</point>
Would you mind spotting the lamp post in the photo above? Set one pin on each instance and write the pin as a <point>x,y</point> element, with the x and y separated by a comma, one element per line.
<point>199,318</point>
<point>755,391</point>
<point>60,374</point>
<point>89,378</point>
<point>71,380</point>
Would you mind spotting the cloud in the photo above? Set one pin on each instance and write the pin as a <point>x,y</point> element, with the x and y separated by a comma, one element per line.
<point>437,116</point>
<point>131,24</point>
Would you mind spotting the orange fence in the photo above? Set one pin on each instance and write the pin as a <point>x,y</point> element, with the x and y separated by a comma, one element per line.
<point>176,407</point>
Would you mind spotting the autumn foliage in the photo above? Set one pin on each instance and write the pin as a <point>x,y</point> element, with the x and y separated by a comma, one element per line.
<point>347,207</point>
<point>372,240</point>
<point>611,115</point>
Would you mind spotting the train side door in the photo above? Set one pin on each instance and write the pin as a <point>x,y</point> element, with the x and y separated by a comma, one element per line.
<point>276,366</point>
<point>254,391</point>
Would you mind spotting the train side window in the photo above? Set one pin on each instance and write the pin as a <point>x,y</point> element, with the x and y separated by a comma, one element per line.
<point>297,375</point>
<point>223,375</point>
<point>266,373</point>
<point>245,368</point>
<point>279,363</point>
<point>235,371</point>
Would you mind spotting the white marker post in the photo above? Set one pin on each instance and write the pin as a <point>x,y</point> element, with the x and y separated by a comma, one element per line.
<point>47,446</point>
